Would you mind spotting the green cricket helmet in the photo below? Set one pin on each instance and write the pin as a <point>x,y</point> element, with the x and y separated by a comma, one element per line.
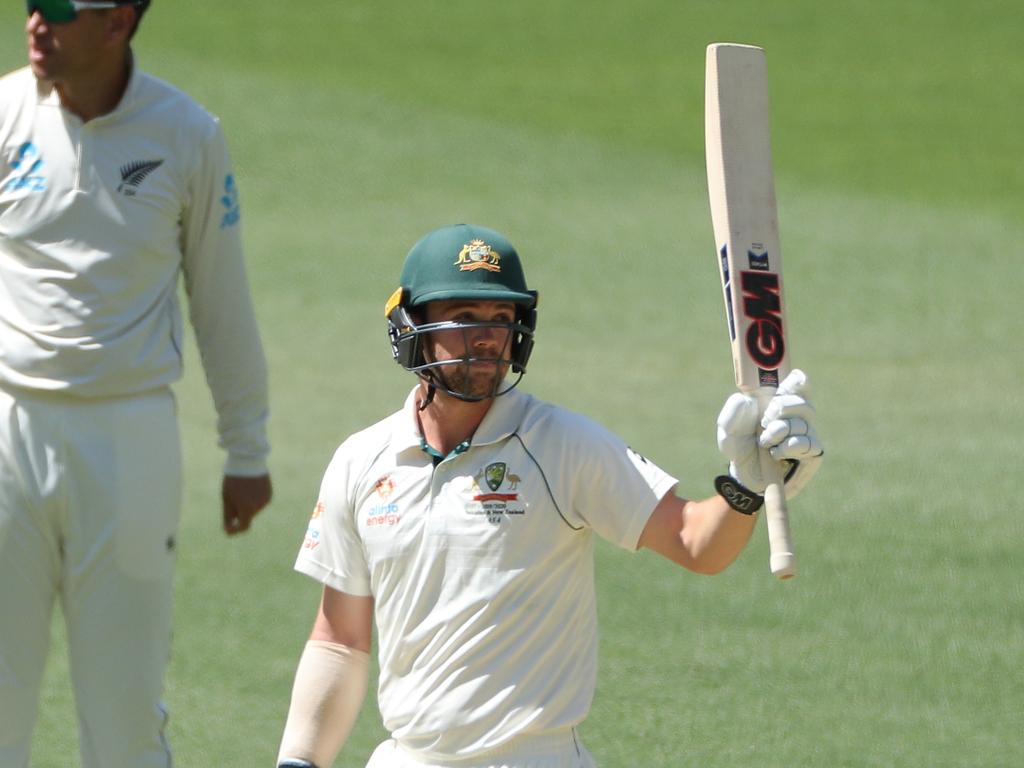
<point>469,262</point>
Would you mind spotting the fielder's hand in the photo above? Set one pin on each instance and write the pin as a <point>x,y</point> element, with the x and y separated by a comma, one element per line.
<point>241,499</point>
<point>787,432</point>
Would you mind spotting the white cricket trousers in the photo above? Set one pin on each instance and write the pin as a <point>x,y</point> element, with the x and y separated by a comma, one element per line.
<point>90,498</point>
<point>557,749</point>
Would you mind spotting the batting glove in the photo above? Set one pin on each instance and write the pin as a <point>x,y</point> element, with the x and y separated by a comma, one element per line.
<point>787,433</point>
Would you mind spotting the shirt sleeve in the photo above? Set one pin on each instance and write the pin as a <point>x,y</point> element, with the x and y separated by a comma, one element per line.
<point>332,551</point>
<point>613,488</point>
<point>221,309</point>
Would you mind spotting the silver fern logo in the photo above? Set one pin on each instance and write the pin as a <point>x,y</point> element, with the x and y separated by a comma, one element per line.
<point>133,174</point>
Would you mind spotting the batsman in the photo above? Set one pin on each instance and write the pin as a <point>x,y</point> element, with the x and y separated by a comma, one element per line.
<point>463,525</point>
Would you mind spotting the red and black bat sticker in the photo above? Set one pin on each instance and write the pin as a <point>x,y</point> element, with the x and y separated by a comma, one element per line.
<point>762,305</point>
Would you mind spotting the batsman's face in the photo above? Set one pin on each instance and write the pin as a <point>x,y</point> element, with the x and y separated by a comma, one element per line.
<point>477,343</point>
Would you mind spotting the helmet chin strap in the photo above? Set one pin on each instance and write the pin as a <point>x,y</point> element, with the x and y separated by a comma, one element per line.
<point>431,390</point>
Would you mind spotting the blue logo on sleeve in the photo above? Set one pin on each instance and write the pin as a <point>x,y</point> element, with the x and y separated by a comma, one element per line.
<point>230,202</point>
<point>27,166</point>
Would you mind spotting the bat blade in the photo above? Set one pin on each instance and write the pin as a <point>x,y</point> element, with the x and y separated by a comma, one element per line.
<point>741,190</point>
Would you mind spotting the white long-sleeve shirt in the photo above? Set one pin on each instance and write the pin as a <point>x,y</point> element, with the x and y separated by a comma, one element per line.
<point>97,220</point>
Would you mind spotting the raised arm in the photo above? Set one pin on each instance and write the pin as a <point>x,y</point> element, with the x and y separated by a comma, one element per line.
<point>706,536</point>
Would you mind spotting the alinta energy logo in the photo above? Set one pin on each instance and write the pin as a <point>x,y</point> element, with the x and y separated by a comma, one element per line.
<point>134,173</point>
<point>385,511</point>
<point>312,539</point>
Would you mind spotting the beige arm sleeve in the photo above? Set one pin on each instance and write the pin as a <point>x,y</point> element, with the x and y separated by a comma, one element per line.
<point>330,684</point>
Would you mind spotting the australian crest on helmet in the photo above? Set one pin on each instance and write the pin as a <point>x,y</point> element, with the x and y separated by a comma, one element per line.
<point>477,254</point>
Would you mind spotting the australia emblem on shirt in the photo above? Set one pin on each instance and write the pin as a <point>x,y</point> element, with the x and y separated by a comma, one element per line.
<point>493,490</point>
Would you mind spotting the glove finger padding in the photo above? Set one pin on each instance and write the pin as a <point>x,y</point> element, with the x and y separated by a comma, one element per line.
<point>778,431</point>
<point>797,448</point>
<point>790,399</point>
<point>784,407</point>
<point>788,431</point>
<point>796,383</point>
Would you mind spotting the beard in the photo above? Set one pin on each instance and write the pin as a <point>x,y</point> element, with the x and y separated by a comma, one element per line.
<point>473,381</point>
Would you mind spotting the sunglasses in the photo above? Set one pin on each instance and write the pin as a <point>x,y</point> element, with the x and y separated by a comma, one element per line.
<point>63,11</point>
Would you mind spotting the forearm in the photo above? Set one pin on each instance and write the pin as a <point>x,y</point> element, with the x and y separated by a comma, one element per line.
<point>236,372</point>
<point>714,534</point>
<point>703,536</point>
<point>330,685</point>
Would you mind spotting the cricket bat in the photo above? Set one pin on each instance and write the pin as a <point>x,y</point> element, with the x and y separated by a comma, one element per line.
<point>741,188</point>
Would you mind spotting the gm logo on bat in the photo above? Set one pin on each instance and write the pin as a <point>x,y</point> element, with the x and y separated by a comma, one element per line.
<point>762,304</point>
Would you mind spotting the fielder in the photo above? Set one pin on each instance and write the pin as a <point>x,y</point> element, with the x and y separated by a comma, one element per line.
<point>464,526</point>
<point>112,184</point>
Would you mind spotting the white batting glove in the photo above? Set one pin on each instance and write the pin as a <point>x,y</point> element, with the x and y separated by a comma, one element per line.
<point>787,434</point>
<point>737,440</point>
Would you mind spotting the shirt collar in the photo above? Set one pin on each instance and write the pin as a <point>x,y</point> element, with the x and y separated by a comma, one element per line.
<point>502,419</point>
<point>406,432</point>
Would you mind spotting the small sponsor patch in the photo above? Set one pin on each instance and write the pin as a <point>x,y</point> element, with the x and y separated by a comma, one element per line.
<point>736,496</point>
<point>27,174</point>
<point>384,487</point>
<point>229,200</point>
<point>757,257</point>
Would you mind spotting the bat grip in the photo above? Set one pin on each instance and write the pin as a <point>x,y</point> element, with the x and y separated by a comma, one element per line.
<point>782,559</point>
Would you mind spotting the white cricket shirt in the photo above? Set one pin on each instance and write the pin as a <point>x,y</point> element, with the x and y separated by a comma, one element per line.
<point>97,220</point>
<point>481,567</point>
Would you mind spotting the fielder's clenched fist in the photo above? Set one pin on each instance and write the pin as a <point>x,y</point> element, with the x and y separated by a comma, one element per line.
<point>785,430</point>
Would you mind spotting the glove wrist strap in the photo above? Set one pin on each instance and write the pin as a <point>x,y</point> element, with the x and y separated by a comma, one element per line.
<point>737,496</point>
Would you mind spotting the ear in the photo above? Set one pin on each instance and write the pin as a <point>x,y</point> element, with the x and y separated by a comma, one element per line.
<point>120,23</point>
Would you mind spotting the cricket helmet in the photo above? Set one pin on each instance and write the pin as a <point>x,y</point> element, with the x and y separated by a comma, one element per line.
<point>461,261</point>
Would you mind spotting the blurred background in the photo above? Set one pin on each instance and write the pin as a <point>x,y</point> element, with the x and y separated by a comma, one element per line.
<point>576,128</point>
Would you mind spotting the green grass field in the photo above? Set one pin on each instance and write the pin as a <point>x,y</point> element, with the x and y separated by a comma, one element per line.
<point>577,129</point>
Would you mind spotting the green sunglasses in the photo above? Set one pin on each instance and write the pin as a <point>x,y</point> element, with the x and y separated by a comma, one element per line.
<point>63,11</point>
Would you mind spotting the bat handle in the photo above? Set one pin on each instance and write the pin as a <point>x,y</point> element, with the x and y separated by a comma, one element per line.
<point>782,560</point>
